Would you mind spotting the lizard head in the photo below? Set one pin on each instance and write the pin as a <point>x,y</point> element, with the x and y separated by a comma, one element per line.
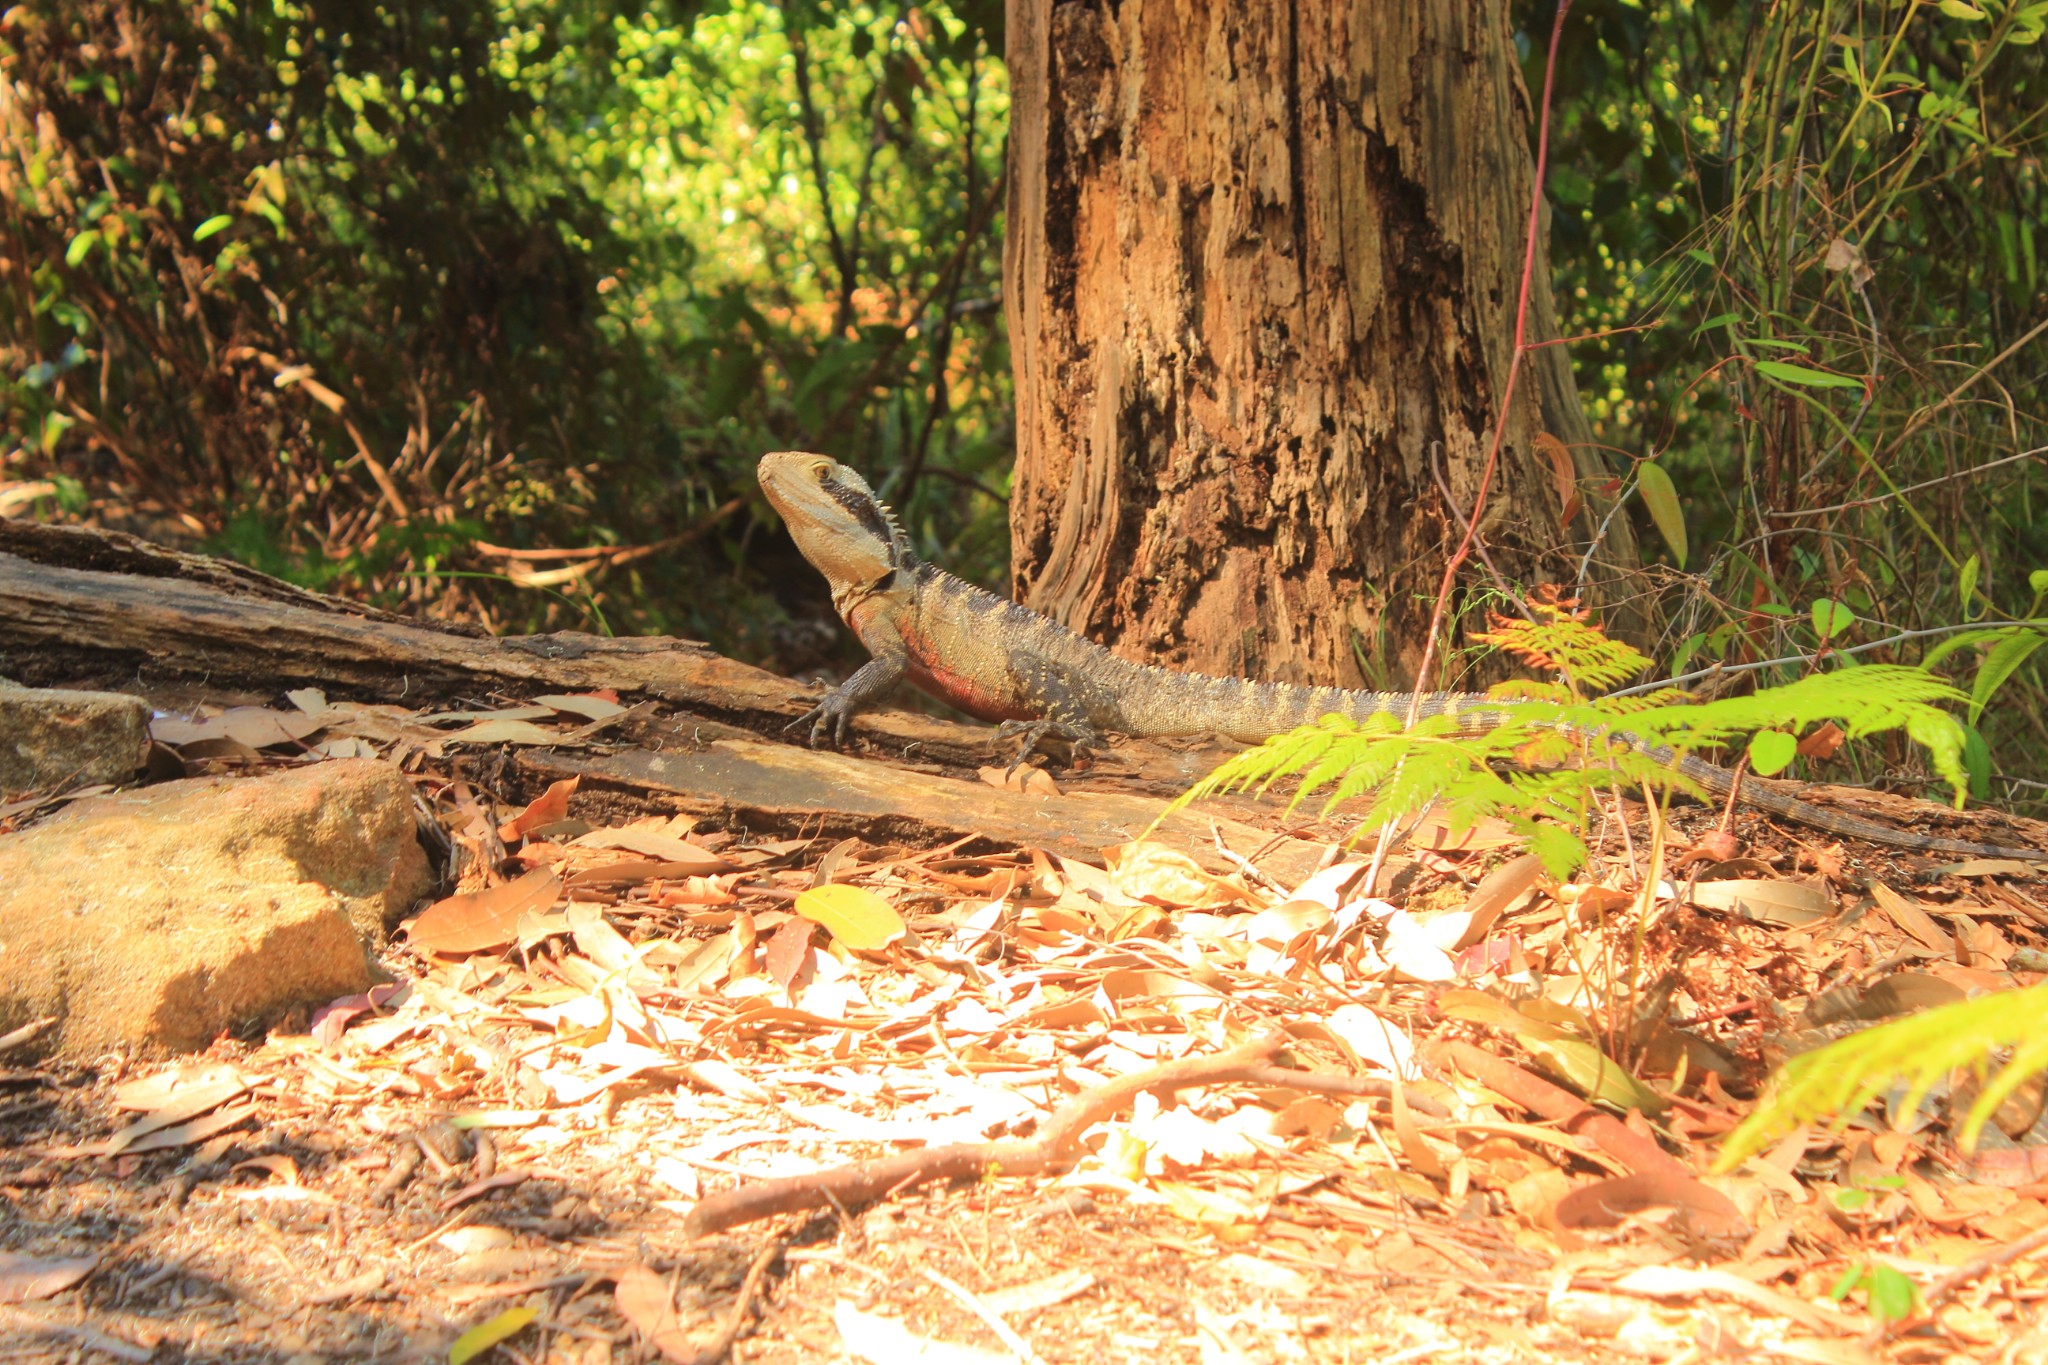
<point>837,521</point>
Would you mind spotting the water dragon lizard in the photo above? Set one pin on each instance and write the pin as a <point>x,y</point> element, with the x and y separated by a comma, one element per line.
<point>998,661</point>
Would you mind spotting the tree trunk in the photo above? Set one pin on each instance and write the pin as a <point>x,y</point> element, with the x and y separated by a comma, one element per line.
<point>1262,267</point>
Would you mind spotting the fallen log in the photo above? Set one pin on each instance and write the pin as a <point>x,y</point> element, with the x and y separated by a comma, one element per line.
<point>109,610</point>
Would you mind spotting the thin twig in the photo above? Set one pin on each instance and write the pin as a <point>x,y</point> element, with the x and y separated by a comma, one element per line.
<point>1913,487</point>
<point>719,1347</point>
<point>1898,637</point>
<point>1018,1346</point>
<point>1223,851</point>
<point>814,141</point>
<point>1957,1278</point>
<point>1057,1146</point>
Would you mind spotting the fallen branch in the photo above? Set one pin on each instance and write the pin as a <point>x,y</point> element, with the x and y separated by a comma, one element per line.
<point>1057,1146</point>
<point>1715,1214</point>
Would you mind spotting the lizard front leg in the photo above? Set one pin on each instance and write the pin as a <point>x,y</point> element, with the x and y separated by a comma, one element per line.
<point>869,683</point>
<point>841,704</point>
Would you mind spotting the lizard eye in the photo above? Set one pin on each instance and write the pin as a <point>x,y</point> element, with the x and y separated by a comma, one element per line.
<point>822,469</point>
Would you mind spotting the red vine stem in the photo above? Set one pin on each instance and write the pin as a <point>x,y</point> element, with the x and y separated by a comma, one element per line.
<point>1500,426</point>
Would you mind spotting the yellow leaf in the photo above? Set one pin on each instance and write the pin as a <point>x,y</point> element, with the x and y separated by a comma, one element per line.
<point>855,916</point>
<point>485,1335</point>
<point>1198,1205</point>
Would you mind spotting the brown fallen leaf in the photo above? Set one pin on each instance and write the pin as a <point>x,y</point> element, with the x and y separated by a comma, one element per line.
<point>1822,741</point>
<point>474,920</point>
<point>1784,905</point>
<point>1496,891</point>
<point>1564,475</point>
<point>1913,921</point>
<point>643,1299</point>
<point>788,952</point>
<point>1702,1210</point>
<point>629,871</point>
<point>666,848</point>
<point>589,705</point>
<point>258,727</point>
<point>38,1277</point>
<point>160,1088</point>
<point>1715,846</point>
<point>178,1135</point>
<point>1990,867</point>
<point>506,731</point>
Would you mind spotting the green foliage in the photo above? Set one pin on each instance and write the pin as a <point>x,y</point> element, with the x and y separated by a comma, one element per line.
<point>1803,245</point>
<point>1538,756</point>
<point>359,291</point>
<point>294,266</point>
<point>1920,1050</point>
<point>1891,1294</point>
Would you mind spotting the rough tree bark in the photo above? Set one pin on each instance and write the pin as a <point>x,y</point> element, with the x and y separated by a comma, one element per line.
<point>1262,263</point>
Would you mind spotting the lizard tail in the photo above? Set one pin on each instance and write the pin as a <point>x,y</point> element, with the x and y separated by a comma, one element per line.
<point>1768,796</point>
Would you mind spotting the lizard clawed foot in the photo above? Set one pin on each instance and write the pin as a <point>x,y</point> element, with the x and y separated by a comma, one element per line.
<point>1082,740</point>
<point>826,716</point>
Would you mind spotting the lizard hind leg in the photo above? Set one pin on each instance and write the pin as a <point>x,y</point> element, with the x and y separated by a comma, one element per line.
<point>1082,739</point>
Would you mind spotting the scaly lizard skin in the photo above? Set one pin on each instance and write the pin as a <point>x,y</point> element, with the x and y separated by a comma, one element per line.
<point>997,661</point>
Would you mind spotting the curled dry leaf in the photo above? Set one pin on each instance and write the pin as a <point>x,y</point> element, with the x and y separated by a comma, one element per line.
<point>549,808</point>
<point>1564,475</point>
<point>1702,1210</point>
<point>1166,877</point>
<point>1715,846</point>
<point>1497,891</point>
<point>1027,779</point>
<point>1822,741</point>
<point>1332,886</point>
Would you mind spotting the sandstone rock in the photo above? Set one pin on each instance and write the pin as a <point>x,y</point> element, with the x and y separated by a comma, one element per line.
<point>51,737</point>
<point>160,917</point>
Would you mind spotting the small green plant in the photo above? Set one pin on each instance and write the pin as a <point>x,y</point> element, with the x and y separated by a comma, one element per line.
<point>1538,761</point>
<point>1890,1295</point>
<point>1921,1050</point>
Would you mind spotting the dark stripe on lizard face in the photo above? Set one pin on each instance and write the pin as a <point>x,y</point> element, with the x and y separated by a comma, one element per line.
<point>861,507</point>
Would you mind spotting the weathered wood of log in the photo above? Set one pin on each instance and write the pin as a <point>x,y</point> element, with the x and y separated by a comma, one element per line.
<point>95,608</point>
<point>104,605</point>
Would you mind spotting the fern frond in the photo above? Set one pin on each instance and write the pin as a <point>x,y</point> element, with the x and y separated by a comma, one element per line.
<point>1865,700</point>
<point>1562,639</point>
<point>1576,747</point>
<point>1529,689</point>
<point>1839,1079</point>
